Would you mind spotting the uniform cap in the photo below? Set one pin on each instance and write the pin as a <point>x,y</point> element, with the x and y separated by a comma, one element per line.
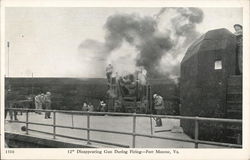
<point>238,25</point>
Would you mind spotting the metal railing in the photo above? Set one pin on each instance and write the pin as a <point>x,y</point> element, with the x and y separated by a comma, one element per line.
<point>134,134</point>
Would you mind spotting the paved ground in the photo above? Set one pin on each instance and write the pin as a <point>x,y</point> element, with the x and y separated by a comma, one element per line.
<point>116,123</point>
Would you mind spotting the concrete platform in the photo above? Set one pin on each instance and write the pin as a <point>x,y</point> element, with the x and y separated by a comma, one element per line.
<point>115,123</point>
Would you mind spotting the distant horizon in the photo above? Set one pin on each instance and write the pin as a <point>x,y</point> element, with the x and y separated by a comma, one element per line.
<point>92,78</point>
<point>57,77</point>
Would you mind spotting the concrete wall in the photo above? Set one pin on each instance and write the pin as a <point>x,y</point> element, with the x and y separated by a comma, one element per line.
<point>203,88</point>
<point>69,93</point>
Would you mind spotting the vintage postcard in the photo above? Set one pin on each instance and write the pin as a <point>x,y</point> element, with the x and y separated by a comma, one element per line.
<point>125,79</point>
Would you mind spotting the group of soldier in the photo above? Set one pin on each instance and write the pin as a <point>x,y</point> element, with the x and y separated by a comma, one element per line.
<point>158,105</point>
<point>90,107</point>
<point>43,101</point>
<point>112,76</point>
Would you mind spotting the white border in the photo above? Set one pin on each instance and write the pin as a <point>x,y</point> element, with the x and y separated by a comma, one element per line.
<point>227,154</point>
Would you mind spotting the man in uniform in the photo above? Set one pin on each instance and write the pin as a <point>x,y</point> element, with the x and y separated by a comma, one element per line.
<point>238,34</point>
<point>103,106</point>
<point>90,107</point>
<point>47,101</point>
<point>85,106</point>
<point>39,101</point>
<point>43,100</point>
<point>238,29</point>
<point>109,71</point>
<point>159,107</point>
<point>117,106</point>
<point>12,113</point>
<point>9,103</point>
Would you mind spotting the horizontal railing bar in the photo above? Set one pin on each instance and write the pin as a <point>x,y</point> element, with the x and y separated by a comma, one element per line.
<point>138,115</point>
<point>219,144</point>
<point>41,124</point>
<point>141,135</point>
<point>39,131</point>
<point>79,128</point>
<point>90,129</point>
<point>107,131</point>
<point>82,139</point>
<point>219,120</point>
<point>15,121</point>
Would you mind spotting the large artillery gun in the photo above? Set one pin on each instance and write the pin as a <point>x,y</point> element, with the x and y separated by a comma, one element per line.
<point>128,94</point>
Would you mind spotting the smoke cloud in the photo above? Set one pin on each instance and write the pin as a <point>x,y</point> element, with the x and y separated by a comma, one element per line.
<point>159,42</point>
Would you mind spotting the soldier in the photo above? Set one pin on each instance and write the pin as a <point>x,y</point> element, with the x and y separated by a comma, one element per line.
<point>103,106</point>
<point>109,71</point>
<point>238,34</point>
<point>84,106</point>
<point>43,100</point>
<point>159,107</point>
<point>142,76</point>
<point>9,104</point>
<point>90,107</point>
<point>39,101</point>
<point>117,106</point>
<point>47,101</point>
<point>238,29</point>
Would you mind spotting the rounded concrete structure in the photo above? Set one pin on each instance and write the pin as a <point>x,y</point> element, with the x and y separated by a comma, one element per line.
<point>205,69</point>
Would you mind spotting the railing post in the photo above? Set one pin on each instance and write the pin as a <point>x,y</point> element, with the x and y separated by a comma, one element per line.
<point>134,129</point>
<point>151,124</point>
<point>27,121</point>
<point>72,120</point>
<point>54,124</point>
<point>196,132</point>
<point>239,139</point>
<point>88,126</point>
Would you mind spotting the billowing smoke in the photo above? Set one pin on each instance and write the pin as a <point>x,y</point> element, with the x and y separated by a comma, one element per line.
<point>185,23</point>
<point>157,46</point>
<point>141,33</point>
<point>181,23</point>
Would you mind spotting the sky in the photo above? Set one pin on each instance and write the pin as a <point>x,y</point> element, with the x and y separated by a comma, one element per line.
<point>45,41</point>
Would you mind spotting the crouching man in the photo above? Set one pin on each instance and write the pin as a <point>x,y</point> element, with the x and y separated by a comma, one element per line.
<point>159,107</point>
